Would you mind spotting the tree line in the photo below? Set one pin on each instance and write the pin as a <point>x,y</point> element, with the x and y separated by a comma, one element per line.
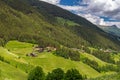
<point>101,54</point>
<point>57,74</point>
<point>68,53</point>
<point>105,68</point>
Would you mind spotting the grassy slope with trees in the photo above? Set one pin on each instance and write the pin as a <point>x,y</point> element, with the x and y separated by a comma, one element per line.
<point>46,60</point>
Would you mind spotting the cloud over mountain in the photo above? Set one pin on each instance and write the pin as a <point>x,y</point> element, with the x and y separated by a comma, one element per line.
<point>101,12</point>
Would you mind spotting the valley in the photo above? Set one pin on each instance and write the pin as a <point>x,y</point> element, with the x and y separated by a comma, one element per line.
<point>41,39</point>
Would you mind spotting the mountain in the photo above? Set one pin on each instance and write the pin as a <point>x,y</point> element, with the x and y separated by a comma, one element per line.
<point>35,33</point>
<point>35,21</point>
<point>112,30</point>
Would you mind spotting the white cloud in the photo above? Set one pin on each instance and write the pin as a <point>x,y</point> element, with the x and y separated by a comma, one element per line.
<point>71,8</point>
<point>105,5</point>
<point>99,21</point>
<point>109,8</point>
<point>106,8</point>
<point>52,1</point>
<point>94,19</point>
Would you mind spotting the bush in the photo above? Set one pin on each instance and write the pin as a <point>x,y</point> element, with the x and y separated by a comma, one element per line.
<point>73,74</point>
<point>36,74</point>
<point>1,58</point>
<point>56,74</point>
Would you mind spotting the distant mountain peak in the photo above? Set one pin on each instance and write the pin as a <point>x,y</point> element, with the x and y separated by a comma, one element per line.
<point>114,30</point>
<point>114,26</point>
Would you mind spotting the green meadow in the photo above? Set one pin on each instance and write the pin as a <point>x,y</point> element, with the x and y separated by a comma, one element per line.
<point>15,57</point>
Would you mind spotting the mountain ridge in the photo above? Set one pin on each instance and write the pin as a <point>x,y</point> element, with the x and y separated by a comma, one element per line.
<point>113,30</point>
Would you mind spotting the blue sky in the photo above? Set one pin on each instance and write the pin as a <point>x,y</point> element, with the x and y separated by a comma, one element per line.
<point>99,12</point>
<point>70,2</point>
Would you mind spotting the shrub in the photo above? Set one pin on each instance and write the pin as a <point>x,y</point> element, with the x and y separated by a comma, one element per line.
<point>36,74</point>
<point>73,74</point>
<point>56,74</point>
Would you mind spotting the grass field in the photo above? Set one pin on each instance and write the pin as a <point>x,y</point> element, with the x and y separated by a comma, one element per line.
<point>49,62</point>
<point>46,60</point>
<point>19,48</point>
<point>115,76</point>
<point>8,72</point>
<point>14,60</point>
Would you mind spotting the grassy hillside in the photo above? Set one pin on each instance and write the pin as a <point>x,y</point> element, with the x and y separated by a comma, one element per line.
<point>108,77</point>
<point>20,48</point>
<point>48,61</point>
<point>16,58</point>
<point>8,72</point>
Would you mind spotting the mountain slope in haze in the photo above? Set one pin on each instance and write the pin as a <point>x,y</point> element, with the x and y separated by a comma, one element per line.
<point>35,21</point>
<point>114,30</point>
